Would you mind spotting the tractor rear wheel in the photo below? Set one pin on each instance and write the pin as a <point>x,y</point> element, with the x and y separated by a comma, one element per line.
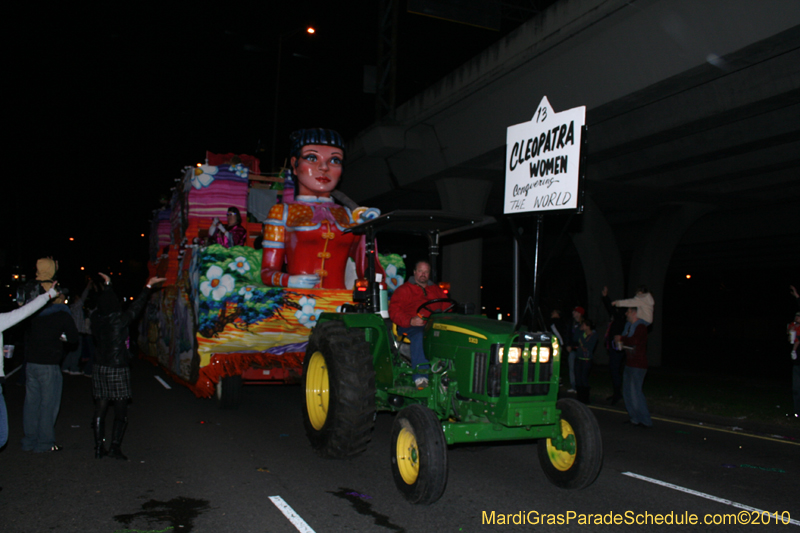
<point>578,470</point>
<point>338,390</point>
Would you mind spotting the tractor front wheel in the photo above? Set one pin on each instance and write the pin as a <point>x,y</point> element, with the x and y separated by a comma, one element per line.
<point>573,470</point>
<point>419,455</point>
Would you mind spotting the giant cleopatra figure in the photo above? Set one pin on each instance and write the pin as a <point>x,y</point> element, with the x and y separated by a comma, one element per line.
<point>307,235</point>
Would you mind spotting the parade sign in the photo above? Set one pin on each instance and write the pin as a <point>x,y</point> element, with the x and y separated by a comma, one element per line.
<point>543,161</point>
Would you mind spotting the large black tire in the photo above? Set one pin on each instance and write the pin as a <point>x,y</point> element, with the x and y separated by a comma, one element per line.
<point>419,455</point>
<point>576,471</point>
<point>338,391</point>
<point>229,392</point>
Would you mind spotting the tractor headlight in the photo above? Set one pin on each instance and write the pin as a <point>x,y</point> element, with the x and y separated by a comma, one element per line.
<point>513,354</point>
<point>544,354</point>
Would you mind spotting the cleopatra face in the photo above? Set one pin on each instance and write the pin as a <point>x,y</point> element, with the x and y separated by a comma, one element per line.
<point>318,169</point>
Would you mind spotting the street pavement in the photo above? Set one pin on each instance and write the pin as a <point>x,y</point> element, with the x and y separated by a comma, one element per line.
<point>196,468</point>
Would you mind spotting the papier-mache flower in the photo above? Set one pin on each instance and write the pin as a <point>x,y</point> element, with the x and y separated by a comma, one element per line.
<point>393,280</point>
<point>218,284</point>
<point>367,214</point>
<point>240,265</point>
<point>307,315</point>
<point>203,176</point>
<point>240,170</point>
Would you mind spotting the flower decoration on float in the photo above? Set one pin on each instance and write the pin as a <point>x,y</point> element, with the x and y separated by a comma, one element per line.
<point>240,265</point>
<point>240,170</point>
<point>393,279</point>
<point>307,315</point>
<point>364,214</point>
<point>246,292</point>
<point>203,176</point>
<point>218,283</point>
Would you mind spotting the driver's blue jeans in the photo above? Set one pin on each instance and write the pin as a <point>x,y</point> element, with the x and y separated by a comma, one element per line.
<point>418,359</point>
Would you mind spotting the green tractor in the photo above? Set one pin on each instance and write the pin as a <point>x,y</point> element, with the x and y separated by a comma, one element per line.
<point>488,381</point>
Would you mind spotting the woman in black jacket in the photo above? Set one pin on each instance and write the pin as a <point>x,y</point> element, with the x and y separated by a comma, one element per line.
<point>111,379</point>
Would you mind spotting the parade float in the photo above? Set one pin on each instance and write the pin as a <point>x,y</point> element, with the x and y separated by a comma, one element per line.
<point>216,325</point>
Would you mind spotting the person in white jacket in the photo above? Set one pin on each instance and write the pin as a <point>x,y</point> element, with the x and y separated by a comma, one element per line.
<point>6,321</point>
<point>643,302</point>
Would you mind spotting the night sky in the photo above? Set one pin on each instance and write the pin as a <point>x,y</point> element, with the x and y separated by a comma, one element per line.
<point>105,106</point>
<point>109,104</point>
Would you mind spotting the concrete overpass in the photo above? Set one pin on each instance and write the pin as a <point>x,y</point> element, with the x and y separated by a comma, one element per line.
<point>694,143</point>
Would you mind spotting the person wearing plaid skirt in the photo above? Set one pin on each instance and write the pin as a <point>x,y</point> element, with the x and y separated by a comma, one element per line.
<point>111,379</point>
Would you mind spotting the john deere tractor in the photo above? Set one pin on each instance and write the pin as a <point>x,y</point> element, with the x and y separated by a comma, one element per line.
<point>488,381</point>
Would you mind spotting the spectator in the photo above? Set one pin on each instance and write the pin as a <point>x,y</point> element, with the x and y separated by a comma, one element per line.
<point>583,363</point>
<point>6,321</point>
<point>616,358</point>
<point>634,341</point>
<point>573,343</point>
<point>44,350</point>
<point>643,302</point>
<point>794,338</point>
<point>111,380</point>
<point>557,326</point>
<point>71,364</point>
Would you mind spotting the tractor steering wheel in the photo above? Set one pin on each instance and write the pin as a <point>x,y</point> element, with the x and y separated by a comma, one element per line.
<point>424,306</point>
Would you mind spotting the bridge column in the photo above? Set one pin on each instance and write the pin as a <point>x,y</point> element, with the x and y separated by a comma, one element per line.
<point>461,263</point>
<point>602,266</point>
<point>651,260</point>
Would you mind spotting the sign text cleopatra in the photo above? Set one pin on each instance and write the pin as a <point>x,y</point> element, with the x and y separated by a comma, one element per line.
<point>554,139</point>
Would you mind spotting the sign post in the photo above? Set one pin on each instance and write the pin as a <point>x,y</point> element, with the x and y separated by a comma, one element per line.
<point>544,170</point>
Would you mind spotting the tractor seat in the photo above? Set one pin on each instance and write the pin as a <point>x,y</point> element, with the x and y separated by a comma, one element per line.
<point>400,341</point>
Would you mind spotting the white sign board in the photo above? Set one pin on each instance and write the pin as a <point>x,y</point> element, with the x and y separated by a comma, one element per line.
<point>543,161</point>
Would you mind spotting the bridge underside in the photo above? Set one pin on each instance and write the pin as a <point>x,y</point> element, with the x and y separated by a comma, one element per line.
<point>693,116</point>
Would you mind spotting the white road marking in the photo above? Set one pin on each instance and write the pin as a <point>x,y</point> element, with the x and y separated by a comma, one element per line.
<point>289,513</point>
<point>166,386</point>
<point>701,494</point>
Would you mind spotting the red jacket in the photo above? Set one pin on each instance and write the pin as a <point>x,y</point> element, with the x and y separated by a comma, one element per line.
<point>637,358</point>
<point>407,299</point>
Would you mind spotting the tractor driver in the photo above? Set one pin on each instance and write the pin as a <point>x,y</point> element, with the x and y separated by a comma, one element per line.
<point>403,312</point>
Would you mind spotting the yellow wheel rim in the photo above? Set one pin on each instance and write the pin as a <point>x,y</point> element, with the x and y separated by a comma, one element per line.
<point>561,460</point>
<point>317,391</point>
<point>407,456</point>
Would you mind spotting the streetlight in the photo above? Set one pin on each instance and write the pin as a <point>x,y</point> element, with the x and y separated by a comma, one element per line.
<point>309,30</point>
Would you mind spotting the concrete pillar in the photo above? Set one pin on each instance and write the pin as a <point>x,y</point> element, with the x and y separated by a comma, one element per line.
<point>651,260</point>
<point>461,262</point>
<point>602,266</point>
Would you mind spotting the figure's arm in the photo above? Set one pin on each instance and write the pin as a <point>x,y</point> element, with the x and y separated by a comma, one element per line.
<point>358,253</point>
<point>273,254</point>
<point>272,251</point>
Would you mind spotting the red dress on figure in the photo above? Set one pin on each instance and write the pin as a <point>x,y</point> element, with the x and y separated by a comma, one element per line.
<point>308,236</point>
